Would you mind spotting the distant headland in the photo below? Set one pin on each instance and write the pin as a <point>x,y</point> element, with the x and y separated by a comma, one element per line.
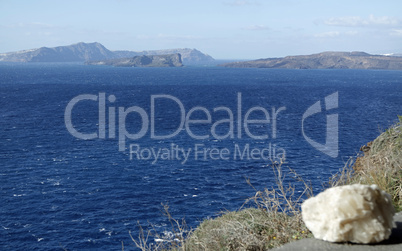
<point>325,60</point>
<point>169,60</point>
<point>83,52</point>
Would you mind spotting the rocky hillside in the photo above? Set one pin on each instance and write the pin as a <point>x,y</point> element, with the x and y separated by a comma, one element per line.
<point>83,52</point>
<point>189,56</point>
<point>170,60</point>
<point>326,60</point>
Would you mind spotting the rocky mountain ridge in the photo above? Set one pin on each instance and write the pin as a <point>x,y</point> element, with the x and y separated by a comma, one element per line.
<point>82,52</point>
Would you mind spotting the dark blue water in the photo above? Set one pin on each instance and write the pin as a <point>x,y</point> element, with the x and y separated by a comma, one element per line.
<point>59,191</point>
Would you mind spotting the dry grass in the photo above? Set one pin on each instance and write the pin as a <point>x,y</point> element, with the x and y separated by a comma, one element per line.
<point>247,229</point>
<point>380,164</point>
<point>276,220</point>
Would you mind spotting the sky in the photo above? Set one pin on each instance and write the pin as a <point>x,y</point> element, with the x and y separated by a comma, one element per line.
<point>224,29</point>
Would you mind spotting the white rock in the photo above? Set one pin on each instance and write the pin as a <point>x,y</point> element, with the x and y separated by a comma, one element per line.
<point>352,213</point>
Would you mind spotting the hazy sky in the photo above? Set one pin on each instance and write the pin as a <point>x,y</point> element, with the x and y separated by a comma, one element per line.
<point>224,29</point>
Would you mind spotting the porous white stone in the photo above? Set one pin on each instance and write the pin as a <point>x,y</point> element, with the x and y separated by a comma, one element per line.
<point>352,213</point>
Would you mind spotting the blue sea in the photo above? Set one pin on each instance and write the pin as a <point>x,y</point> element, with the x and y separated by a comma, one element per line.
<point>87,152</point>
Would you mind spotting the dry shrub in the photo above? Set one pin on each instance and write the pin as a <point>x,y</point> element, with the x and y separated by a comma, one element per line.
<point>381,164</point>
<point>276,220</point>
<point>172,239</point>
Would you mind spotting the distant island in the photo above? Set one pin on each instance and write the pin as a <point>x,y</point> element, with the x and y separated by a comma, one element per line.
<point>170,60</point>
<point>325,60</point>
<point>83,52</point>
